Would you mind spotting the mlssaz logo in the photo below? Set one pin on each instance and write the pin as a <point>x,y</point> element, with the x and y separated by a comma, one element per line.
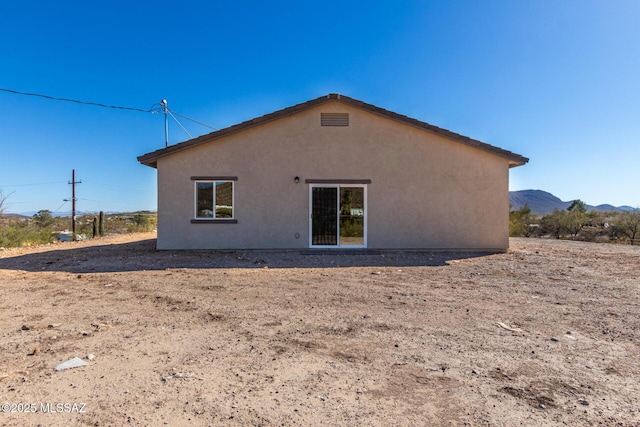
<point>78,408</point>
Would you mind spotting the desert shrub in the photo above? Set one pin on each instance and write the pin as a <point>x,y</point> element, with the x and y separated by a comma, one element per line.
<point>601,227</point>
<point>522,223</point>
<point>43,218</point>
<point>17,233</point>
<point>42,228</point>
<point>142,222</point>
<point>570,222</point>
<point>627,226</point>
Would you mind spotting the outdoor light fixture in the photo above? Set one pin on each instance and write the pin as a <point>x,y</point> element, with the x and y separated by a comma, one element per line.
<point>296,179</point>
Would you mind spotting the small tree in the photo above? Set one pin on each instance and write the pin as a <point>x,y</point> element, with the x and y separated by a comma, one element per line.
<point>594,228</point>
<point>520,222</point>
<point>553,223</point>
<point>578,206</point>
<point>3,199</point>
<point>43,218</point>
<point>577,217</point>
<point>628,225</point>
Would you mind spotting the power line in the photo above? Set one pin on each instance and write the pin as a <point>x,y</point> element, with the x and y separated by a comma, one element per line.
<point>156,108</point>
<point>55,98</point>
<point>60,207</point>
<point>178,122</point>
<point>195,121</point>
<point>38,183</point>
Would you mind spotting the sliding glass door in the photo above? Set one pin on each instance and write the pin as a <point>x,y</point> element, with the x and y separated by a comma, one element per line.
<point>338,216</point>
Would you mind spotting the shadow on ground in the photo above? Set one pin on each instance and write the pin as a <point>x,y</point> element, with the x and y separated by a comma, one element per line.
<point>142,255</point>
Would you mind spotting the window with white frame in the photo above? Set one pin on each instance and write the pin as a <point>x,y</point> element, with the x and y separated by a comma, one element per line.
<point>214,199</point>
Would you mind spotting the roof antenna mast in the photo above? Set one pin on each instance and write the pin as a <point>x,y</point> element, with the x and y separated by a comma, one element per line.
<point>165,110</point>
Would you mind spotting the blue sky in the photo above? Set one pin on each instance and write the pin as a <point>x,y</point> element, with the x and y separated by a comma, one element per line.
<point>558,82</point>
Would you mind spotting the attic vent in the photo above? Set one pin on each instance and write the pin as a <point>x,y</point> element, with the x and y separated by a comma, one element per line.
<point>334,119</point>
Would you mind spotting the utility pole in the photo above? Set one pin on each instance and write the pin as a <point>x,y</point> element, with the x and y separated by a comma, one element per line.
<point>165,110</point>
<point>73,202</point>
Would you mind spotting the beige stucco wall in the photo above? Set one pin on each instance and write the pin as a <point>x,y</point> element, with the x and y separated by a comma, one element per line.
<point>426,191</point>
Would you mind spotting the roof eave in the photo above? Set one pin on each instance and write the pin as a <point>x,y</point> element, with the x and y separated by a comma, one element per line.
<point>517,160</point>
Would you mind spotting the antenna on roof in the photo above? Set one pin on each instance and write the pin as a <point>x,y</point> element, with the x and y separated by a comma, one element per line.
<point>163,107</point>
<point>165,110</point>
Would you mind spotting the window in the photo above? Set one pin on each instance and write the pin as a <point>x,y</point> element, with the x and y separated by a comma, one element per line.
<point>214,199</point>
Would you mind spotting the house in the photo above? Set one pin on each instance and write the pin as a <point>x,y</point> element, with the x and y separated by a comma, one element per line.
<point>333,172</point>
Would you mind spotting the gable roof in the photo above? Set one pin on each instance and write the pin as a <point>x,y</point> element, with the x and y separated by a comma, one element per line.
<point>151,159</point>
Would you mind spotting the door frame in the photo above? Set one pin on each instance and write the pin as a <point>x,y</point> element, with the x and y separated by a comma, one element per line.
<point>337,186</point>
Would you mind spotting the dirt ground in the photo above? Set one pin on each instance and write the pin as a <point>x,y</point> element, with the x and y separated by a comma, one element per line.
<point>546,334</point>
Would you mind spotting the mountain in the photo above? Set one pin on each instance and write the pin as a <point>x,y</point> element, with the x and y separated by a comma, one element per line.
<point>542,203</point>
<point>539,201</point>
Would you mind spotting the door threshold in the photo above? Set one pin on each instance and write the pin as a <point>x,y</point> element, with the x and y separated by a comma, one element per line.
<point>340,251</point>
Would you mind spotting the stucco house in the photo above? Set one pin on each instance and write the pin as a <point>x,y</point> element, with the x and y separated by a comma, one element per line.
<point>333,172</point>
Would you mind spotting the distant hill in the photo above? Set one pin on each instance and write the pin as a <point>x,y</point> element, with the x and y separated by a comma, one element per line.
<point>13,215</point>
<point>542,203</point>
<point>63,214</point>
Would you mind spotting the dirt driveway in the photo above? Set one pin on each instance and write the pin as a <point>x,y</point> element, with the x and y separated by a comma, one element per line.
<point>545,334</point>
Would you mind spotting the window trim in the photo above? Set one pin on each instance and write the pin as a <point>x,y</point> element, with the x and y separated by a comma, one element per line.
<point>213,180</point>
<point>343,182</point>
<point>214,221</point>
